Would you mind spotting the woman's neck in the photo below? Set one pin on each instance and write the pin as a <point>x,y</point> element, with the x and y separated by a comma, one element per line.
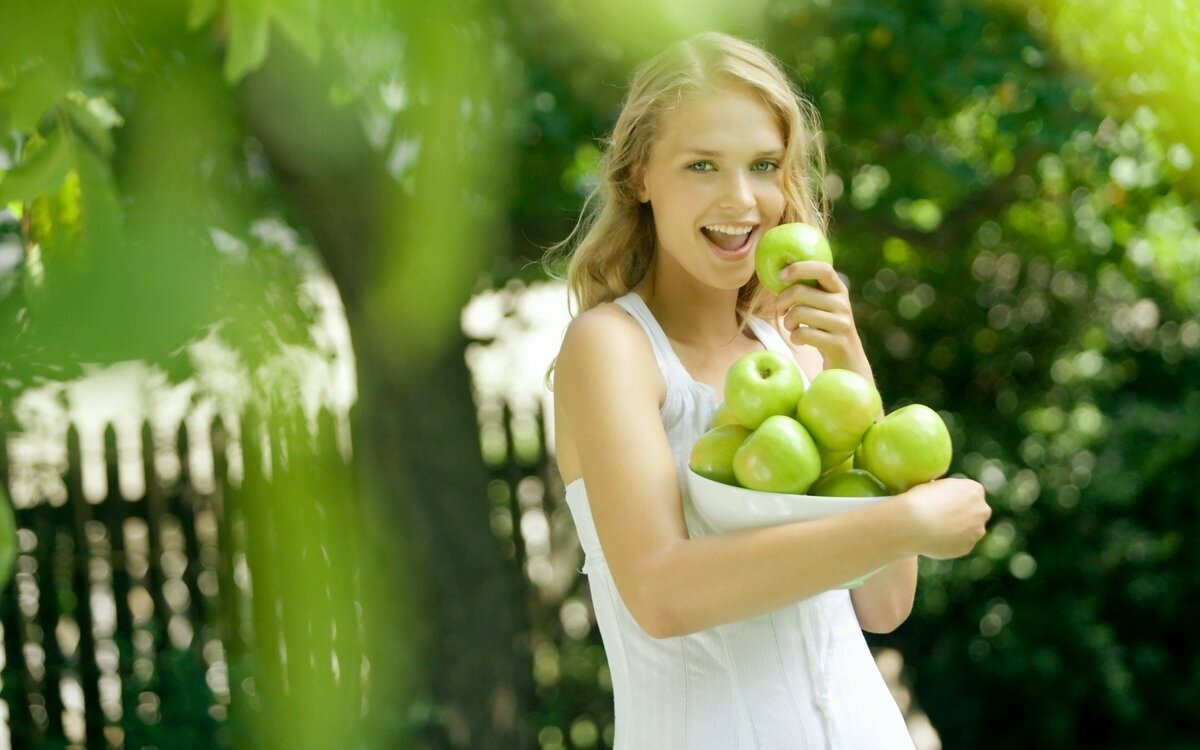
<point>691,313</point>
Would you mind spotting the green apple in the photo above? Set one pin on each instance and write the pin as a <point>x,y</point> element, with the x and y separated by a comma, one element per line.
<point>762,384</point>
<point>833,461</point>
<point>712,455</point>
<point>838,407</point>
<point>908,447</point>
<point>784,245</point>
<point>850,483</point>
<point>779,456</point>
<point>722,416</point>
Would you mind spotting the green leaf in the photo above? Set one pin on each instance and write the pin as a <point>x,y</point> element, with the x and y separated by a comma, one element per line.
<point>201,12</point>
<point>40,171</point>
<point>300,20</point>
<point>33,93</point>
<point>248,38</point>
<point>92,120</point>
<point>249,31</point>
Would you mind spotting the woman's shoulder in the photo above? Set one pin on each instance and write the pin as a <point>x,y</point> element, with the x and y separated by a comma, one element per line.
<point>606,325</point>
<point>606,339</point>
<point>605,368</point>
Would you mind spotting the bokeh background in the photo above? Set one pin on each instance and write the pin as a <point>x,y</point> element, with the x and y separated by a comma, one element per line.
<point>274,326</point>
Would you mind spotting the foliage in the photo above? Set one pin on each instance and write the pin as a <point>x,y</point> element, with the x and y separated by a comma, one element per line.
<point>165,170</point>
<point>125,129</point>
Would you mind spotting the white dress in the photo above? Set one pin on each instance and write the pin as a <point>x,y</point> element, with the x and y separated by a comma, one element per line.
<point>798,677</point>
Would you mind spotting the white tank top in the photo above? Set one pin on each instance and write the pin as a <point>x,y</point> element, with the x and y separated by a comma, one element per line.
<point>798,677</point>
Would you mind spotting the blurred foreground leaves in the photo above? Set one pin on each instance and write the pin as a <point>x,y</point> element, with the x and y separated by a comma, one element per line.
<point>173,171</point>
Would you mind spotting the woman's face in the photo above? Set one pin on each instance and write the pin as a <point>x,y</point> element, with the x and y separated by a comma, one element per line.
<point>714,185</point>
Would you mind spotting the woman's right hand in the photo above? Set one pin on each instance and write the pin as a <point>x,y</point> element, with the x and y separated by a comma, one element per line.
<point>949,516</point>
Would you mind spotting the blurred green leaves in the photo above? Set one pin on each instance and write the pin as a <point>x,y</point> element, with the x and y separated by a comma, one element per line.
<point>248,25</point>
<point>1141,53</point>
<point>126,147</point>
<point>173,171</point>
<point>43,169</point>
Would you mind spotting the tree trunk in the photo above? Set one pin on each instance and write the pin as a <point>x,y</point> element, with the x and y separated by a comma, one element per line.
<point>424,442</point>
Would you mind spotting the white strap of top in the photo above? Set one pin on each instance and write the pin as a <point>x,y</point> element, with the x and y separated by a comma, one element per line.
<point>663,351</point>
<point>769,336</point>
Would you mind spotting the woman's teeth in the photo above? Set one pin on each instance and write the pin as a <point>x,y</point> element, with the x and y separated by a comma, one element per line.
<point>727,229</point>
<point>727,237</point>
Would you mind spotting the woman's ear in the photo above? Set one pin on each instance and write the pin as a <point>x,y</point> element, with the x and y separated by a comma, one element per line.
<point>637,178</point>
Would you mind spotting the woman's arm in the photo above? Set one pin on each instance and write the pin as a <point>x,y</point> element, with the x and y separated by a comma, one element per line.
<point>885,600</point>
<point>606,383</point>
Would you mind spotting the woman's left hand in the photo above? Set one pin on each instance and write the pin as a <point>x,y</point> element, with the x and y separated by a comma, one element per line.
<point>821,316</point>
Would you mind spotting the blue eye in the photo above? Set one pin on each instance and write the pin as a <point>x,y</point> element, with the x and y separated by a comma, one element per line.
<point>765,165</point>
<point>700,166</point>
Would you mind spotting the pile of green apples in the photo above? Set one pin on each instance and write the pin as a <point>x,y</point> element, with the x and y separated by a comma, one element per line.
<point>773,434</point>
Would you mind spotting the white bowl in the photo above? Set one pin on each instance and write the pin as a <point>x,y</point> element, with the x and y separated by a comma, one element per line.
<point>728,508</point>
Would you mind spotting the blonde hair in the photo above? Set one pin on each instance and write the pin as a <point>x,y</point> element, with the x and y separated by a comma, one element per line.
<point>612,246</point>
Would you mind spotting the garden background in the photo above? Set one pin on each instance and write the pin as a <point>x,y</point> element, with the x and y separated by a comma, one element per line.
<point>273,323</point>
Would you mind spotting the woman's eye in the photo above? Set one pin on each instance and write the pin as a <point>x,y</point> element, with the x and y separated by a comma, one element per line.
<point>766,165</point>
<point>701,166</point>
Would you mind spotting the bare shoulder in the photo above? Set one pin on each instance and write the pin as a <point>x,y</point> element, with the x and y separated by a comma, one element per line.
<point>605,319</point>
<point>608,319</point>
<point>605,368</point>
<point>604,338</point>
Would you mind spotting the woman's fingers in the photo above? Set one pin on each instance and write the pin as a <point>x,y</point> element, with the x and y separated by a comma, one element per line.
<point>827,278</point>
<point>802,295</point>
<point>954,513</point>
<point>821,316</point>
<point>812,317</point>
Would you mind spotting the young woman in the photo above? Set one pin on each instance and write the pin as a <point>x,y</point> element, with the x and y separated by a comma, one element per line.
<point>738,640</point>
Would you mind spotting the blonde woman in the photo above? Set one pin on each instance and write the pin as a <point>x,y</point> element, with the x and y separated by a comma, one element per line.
<point>742,640</point>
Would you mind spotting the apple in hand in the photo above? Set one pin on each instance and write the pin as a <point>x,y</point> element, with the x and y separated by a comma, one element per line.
<point>838,408</point>
<point>712,455</point>
<point>783,245</point>
<point>908,447</point>
<point>850,483</point>
<point>779,456</point>
<point>762,384</point>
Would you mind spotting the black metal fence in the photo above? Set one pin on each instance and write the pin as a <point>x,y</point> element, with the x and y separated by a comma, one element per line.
<point>188,617</point>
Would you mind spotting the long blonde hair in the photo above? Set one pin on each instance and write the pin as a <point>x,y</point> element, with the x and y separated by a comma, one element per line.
<point>612,246</point>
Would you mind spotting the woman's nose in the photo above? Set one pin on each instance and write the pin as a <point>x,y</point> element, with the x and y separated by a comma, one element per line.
<point>738,192</point>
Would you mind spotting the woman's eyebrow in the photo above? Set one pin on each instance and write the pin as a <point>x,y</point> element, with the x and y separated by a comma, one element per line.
<point>710,153</point>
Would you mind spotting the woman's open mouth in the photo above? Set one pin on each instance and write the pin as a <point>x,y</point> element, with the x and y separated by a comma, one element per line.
<point>730,241</point>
